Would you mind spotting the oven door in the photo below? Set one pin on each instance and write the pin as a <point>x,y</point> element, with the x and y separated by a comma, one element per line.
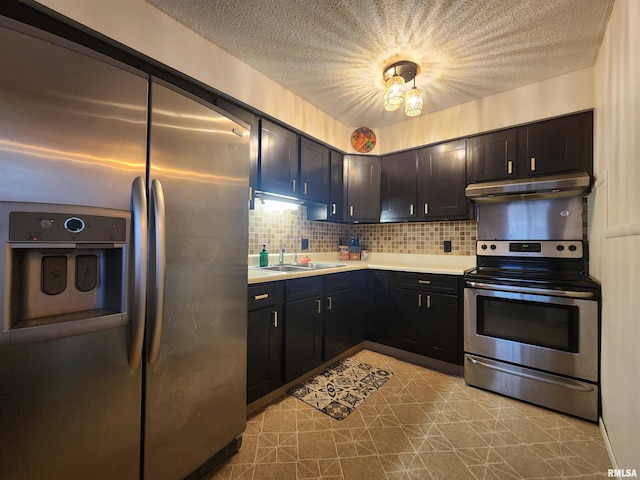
<point>537,330</point>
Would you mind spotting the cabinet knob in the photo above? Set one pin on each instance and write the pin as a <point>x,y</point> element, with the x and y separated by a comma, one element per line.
<point>419,300</point>
<point>426,209</point>
<point>274,315</point>
<point>304,186</point>
<point>351,210</point>
<point>319,303</point>
<point>411,209</point>
<point>329,303</point>
<point>333,209</point>
<point>510,167</point>
<point>293,182</point>
<point>533,164</point>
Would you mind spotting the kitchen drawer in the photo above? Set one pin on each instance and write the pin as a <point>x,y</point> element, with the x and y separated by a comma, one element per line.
<point>304,288</point>
<point>338,282</point>
<point>265,295</point>
<point>425,281</point>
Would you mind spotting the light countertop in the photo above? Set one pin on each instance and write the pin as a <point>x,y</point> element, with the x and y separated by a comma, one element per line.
<point>441,264</point>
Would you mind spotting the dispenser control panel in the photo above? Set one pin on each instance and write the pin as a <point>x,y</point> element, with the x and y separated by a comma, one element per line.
<point>62,227</point>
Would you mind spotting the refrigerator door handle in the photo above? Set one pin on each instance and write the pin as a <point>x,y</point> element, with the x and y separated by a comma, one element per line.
<point>140,254</point>
<point>156,313</point>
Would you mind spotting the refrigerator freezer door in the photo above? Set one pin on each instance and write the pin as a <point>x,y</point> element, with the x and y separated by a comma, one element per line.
<point>72,131</point>
<point>70,408</point>
<point>195,390</point>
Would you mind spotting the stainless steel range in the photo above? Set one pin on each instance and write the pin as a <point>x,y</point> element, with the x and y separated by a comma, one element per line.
<point>532,324</point>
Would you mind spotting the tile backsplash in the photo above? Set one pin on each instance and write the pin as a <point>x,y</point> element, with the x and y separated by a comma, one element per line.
<point>287,228</point>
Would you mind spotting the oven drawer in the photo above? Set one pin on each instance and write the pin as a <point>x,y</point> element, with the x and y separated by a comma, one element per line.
<point>544,389</point>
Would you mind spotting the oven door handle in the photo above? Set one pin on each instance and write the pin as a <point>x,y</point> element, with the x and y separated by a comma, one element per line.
<point>533,291</point>
<point>567,383</point>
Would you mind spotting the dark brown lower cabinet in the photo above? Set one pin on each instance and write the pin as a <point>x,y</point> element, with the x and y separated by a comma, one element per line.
<point>304,326</point>
<point>264,340</point>
<point>296,325</point>
<point>345,302</point>
<point>378,318</point>
<point>424,320</point>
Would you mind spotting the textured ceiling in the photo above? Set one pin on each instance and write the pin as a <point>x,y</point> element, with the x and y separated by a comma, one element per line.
<point>332,52</point>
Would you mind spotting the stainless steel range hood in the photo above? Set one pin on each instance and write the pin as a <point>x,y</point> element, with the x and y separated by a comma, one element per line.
<point>555,186</point>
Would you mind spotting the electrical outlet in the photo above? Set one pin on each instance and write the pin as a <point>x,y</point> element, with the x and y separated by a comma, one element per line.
<point>447,245</point>
<point>305,244</point>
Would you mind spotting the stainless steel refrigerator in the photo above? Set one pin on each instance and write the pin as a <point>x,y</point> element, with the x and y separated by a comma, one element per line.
<point>123,244</point>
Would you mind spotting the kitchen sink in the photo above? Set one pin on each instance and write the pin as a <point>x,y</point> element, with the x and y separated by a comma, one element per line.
<point>318,266</point>
<point>280,268</point>
<point>298,267</point>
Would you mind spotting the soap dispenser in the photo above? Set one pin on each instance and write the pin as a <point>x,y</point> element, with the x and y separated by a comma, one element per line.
<point>264,256</point>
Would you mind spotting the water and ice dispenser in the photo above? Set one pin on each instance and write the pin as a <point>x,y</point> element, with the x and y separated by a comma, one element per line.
<point>65,270</point>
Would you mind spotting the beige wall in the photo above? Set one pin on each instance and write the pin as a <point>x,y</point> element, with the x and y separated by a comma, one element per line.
<point>614,232</point>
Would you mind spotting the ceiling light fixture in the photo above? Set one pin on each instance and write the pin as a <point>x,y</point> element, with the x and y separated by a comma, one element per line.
<point>395,76</point>
<point>413,103</point>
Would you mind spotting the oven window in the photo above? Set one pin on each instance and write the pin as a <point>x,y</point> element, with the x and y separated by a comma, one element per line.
<point>542,324</point>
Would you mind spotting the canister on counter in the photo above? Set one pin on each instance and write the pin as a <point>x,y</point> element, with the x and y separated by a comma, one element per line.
<point>343,253</point>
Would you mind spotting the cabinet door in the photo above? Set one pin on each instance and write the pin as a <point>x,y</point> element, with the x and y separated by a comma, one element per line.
<point>443,338</point>
<point>378,326</point>
<point>360,301</point>
<point>557,146</point>
<point>335,201</point>
<point>337,315</point>
<point>303,336</point>
<point>493,156</point>
<point>264,352</point>
<point>362,184</point>
<point>314,171</point>
<point>278,167</point>
<point>408,327</point>
<point>398,187</point>
<point>442,172</point>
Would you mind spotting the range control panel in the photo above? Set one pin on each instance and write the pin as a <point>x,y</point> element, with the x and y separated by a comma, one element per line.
<point>542,248</point>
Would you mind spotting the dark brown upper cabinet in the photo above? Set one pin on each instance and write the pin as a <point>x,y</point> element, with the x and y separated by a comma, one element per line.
<point>314,171</point>
<point>442,173</point>
<point>493,155</point>
<point>556,146</point>
<point>398,187</point>
<point>278,163</point>
<point>335,200</point>
<point>425,184</point>
<point>361,183</point>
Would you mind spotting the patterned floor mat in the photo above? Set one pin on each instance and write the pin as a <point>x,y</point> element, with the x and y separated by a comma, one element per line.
<point>341,387</point>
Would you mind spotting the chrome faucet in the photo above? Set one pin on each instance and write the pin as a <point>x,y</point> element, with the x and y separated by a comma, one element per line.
<point>295,258</point>
<point>281,257</point>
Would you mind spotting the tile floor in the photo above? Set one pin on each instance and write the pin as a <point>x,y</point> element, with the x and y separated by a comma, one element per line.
<point>420,425</point>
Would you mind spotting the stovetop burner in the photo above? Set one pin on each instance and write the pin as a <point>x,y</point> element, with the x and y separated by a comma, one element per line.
<point>543,264</point>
